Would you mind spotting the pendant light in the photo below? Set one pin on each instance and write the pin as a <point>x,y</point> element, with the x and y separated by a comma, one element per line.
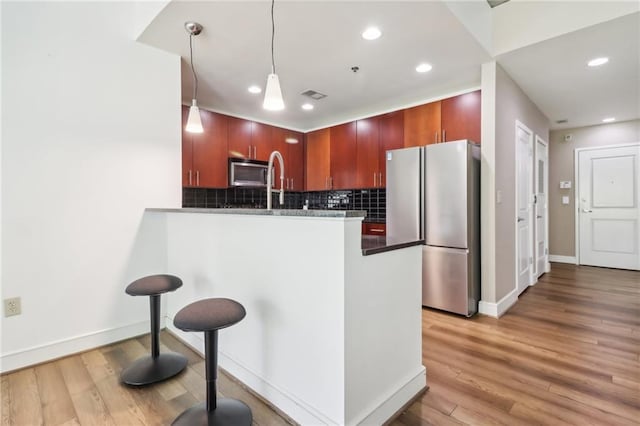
<point>273,95</point>
<point>194,124</point>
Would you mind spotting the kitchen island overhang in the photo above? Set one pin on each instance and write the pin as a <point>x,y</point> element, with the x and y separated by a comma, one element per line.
<point>331,336</point>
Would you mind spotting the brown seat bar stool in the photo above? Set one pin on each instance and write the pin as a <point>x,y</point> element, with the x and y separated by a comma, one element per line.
<point>209,316</point>
<point>158,366</point>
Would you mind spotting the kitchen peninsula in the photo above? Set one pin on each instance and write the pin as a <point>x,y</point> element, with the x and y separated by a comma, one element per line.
<point>331,336</point>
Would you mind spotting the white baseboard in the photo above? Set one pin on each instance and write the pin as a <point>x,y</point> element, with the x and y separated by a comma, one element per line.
<point>496,310</point>
<point>395,401</point>
<point>299,411</point>
<point>38,354</point>
<point>563,259</point>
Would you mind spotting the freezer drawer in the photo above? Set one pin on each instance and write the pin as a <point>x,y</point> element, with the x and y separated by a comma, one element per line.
<point>448,280</point>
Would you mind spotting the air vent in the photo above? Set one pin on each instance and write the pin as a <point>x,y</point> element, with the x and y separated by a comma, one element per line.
<point>313,94</point>
<point>494,3</point>
<point>562,121</point>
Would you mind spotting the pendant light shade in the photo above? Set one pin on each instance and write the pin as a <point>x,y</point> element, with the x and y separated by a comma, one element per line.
<point>194,124</point>
<point>273,95</point>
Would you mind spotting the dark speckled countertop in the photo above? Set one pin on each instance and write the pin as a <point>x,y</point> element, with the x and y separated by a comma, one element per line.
<point>373,244</point>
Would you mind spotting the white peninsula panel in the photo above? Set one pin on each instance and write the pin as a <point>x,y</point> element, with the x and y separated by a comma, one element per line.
<point>331,336</point>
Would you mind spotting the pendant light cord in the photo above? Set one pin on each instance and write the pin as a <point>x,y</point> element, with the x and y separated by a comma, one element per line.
<point>273,33</point>
<point>195,78</point>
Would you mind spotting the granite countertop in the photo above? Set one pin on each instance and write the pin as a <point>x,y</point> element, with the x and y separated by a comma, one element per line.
<point>373,244</point>
<point>265,212</point>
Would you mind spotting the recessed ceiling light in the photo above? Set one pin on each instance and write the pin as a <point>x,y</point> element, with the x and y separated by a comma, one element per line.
<point>307,107</point>
<point>371,33</point>
<point>254,89</point>
<point>597,62</point>
<point>608,119</point>
<point>423,67</point>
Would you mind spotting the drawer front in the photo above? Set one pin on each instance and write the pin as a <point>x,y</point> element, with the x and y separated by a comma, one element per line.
<point>374,229</point>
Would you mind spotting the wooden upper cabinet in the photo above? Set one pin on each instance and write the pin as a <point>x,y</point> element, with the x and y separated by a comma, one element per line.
<point>317,160</point>
<point>391,127</point>
<point>422,125</point>
<point>261,144</point>
<point>187,151</point>
<point>368,153</point>
<point>343,156</point>
<point>461,117</point>
<point>293,155</point>
<point>294,162</point>
<point>240,138</point>
<point>204,155</point>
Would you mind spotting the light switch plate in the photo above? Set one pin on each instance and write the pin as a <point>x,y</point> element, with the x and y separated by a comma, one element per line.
<point>565,199</point>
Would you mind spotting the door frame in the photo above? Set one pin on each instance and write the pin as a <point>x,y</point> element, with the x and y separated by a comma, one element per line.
<point>547,265</point>
<point>532,280</point>
<point>576,194</point>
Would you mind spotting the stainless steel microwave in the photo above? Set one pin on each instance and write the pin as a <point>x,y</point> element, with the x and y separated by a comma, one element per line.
<point>248,172</point>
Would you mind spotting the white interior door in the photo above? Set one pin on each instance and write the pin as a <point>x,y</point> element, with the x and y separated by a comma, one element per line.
<point>541,182</point>
<point>608,213</point>
<point>524,206</point>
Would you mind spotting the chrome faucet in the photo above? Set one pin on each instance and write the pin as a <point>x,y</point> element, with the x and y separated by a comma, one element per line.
<point>269,171</point>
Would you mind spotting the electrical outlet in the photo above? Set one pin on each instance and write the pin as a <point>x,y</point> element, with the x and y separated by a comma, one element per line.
<point>12,307</point>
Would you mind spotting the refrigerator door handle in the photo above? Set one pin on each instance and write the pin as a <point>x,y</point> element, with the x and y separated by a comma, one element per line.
<point>520,219</point>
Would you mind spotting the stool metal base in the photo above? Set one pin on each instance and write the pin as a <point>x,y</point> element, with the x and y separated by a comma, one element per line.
<point>147,370</point>
<point>228,412</point>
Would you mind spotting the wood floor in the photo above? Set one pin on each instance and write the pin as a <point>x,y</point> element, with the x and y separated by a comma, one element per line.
<point>84,389</point>
<point>566,353</point>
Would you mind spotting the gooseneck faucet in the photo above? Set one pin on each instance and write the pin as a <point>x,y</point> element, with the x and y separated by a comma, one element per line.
<point>273,155</point>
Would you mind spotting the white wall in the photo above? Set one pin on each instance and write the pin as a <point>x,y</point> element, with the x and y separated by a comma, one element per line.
<point>90,137</point>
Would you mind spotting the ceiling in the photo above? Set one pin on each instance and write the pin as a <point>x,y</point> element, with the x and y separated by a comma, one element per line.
<point>317,44</point>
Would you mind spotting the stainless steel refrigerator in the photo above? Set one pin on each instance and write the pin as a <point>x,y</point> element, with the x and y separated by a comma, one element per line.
<point>433,193</point>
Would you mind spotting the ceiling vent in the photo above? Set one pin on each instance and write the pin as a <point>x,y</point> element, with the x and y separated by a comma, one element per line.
<point>562,121</point>
<point>313,94</point>
<point>494,3</point>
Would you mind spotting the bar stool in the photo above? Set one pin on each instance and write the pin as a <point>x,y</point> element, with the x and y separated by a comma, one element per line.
<point>157,367</point>
<point>209,316</point>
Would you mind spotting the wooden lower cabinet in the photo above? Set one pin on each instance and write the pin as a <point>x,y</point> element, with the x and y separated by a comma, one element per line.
<point>374,229</point>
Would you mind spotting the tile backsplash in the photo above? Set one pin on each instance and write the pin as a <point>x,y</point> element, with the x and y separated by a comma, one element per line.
<point>371,200</point>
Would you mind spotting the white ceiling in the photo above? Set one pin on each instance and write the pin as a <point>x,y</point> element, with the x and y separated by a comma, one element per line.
<point>555,75</point>
<point>317,43</point>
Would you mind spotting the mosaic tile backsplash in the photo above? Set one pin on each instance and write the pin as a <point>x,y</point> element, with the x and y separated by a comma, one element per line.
<point>371,200</point>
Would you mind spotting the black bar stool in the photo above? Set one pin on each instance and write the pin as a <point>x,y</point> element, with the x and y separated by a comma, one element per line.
<point>210,315</point>
<point>157,367</point>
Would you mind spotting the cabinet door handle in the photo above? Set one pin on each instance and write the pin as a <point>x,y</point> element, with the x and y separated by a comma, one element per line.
<point>376,230</point>
<point>197,177</point>
<point>255,152</point>
<point>190,180</point>
<point>291,183</point>
<point>249,151</point>
<point>330,182</point>
<point>374,179</point>
<point>435,139</point>
<point>444,135</point>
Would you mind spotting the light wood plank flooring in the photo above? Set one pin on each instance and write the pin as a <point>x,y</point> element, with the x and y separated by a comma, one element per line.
<point>567,353</point>
<point>84,389</point>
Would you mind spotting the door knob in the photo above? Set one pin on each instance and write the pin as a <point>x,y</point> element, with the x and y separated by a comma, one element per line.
<point>586,211</point>
<point>520,219</point>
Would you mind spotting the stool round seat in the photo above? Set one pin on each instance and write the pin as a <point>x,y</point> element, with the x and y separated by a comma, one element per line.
<point>153,284</point>
<point>209,314</point>
<point>157,366</point>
